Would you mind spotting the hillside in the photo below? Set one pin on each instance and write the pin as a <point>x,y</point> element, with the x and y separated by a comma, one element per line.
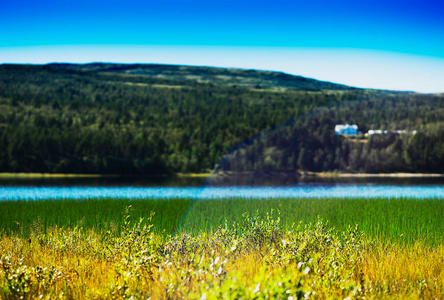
<point>413,142</point>
<point>221,76</point>
<point>161,119</point>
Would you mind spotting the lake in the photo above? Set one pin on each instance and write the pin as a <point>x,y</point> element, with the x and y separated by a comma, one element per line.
<point>199,188</point>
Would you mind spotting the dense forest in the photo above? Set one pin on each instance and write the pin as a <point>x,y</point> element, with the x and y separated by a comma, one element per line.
<point>309,143</point>
<point>159,120</point>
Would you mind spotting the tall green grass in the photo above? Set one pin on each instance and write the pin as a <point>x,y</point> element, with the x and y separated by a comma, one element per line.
<point>98,214</point>
<point>393,219</point>
<point>397,219</point>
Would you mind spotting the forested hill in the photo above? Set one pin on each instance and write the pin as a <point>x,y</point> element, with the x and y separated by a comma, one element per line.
<point>220,76</point>
<point>158,120</point>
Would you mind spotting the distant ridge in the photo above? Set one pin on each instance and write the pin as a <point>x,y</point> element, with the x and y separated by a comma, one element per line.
<point>255,79</point>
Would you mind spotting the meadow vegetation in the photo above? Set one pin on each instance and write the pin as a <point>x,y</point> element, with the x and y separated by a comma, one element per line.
<point>233,248</point>
<point>400,220</point>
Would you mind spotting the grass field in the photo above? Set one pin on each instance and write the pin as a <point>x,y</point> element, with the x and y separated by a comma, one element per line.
<point>229,248</point>
<point>397,219</point>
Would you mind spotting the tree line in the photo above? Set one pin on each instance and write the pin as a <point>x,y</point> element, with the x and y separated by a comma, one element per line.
<point>61,120</point>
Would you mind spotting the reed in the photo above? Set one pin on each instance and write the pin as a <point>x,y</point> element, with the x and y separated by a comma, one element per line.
<point>396,220</point>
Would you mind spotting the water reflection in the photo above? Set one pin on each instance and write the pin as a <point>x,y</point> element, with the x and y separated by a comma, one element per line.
<point>280,180</point>
<point>105,181</point>
<point>257,180</point>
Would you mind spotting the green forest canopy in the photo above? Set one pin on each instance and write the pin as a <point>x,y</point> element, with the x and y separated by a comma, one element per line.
<point>158,120</point>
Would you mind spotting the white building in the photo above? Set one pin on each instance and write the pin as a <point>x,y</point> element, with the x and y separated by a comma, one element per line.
<point>346,129</point>
<point>380,132</point>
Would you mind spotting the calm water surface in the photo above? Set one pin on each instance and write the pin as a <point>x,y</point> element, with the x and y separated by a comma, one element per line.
<point>251,187</point>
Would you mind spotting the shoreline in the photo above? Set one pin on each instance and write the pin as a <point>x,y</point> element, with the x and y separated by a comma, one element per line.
<point>228,174</point>
<point>51,175</point>
<point>400,175</point>
<point>370,175</point>
<point>305,174</point>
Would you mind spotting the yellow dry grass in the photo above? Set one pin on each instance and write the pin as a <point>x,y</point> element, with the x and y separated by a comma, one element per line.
<point>258,261</point>
<point>407,272</point>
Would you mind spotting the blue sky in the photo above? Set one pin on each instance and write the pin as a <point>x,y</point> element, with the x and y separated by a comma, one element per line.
<point>380,44</point>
